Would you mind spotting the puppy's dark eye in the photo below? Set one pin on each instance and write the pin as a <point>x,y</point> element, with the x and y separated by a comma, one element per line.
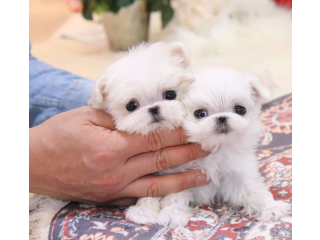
<point>240,110</point>
<point>132,105</point>
<point>200,113</point>
<point>169,95</point>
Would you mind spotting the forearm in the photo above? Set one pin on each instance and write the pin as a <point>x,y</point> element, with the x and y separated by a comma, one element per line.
<point>52,91</point>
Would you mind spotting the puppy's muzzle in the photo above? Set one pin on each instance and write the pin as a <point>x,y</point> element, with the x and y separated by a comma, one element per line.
<point>154,110</point>
<point>222,126</point>
<point>222,120</point>
<point>155,113</point>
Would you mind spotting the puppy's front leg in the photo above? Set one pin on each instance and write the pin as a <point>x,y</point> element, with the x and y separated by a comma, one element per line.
<point>254,196</point>
<point>176,211</point>
<point>145,211</point>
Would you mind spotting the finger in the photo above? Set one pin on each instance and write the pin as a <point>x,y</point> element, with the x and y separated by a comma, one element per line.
<point>125,202</point>
<point>154,141</point>
<point>152,186</point>
<point>122,202</point>
<point>98,117</point>
<point>151,162</point>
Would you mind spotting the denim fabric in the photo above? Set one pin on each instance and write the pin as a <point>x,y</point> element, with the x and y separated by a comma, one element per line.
<point>52,91</point>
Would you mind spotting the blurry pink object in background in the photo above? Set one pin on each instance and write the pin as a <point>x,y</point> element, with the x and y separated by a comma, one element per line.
<point>285,3</point>
<point>74,5</point>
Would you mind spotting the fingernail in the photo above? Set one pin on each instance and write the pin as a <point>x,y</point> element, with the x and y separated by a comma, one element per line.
<point>202,180</point>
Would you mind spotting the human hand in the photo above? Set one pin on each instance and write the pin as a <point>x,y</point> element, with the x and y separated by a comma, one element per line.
<point>79,156</point>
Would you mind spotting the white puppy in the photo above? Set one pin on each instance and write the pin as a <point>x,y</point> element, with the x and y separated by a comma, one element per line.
<point>142,92</point>
<point>223,116</point>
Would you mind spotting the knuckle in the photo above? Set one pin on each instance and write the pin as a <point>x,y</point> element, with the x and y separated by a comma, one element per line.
<point>181,185</point>
<point>102,157</point>
<point>191,152</point>
<point>153,189</point>
<point>113,180</point>
<point>109,182</point>
<point>154,141</point>
<point>162,160</point>
<point>86,110</point>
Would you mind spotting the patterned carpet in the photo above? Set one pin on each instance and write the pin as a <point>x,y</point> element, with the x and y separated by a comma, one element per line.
<point>218,222</point>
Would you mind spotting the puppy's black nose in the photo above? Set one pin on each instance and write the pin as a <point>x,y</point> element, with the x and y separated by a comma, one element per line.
<point>154,110</point>
<point>222,119</point>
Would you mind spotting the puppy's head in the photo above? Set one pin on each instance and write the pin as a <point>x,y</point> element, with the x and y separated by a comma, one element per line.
<point>222,107</point>
<point>142,91</point>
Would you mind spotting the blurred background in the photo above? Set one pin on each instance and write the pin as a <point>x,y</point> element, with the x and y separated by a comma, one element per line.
<point>45,17</point>
<point>86,36</point>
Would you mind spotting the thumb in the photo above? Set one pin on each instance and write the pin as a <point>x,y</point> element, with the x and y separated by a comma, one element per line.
<point>99,118</point>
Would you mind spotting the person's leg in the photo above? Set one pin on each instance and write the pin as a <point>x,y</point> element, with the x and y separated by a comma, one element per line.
<point>52,91</point>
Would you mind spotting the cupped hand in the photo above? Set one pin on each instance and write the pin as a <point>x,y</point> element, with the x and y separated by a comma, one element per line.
<point>79,156</point>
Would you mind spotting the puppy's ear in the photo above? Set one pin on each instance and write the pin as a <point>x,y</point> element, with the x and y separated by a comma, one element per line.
<point>260,89</point>
<point>99,93</point>
<point>181,52</point>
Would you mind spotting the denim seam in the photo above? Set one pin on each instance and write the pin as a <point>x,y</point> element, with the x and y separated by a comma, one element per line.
<point>39,74</point>
<point>43,102</point>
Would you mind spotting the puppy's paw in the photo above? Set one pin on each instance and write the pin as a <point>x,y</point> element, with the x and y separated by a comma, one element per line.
<point>275,210</point>
<point>142,215</point>
<point>174,218</point>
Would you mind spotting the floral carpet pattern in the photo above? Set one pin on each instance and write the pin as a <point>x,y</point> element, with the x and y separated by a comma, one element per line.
<point>219,222</point>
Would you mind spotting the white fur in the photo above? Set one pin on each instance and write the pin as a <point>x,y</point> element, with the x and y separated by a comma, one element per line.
<point>175,211</point>
<point>232,168</point>
<point>145,211</point>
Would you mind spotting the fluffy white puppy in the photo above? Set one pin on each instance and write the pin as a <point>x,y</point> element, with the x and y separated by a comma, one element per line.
<point>142,92</point>
<point>223,116</point>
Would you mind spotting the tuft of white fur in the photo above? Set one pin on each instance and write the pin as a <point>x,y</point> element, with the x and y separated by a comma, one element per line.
<point>146,211</point>
<point>175,211</point>
<point>42,209</point>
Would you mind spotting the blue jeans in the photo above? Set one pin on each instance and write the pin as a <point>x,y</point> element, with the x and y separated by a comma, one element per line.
<point>52,91</point>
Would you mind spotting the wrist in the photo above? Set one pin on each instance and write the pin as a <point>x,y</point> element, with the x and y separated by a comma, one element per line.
<point>34,158</point>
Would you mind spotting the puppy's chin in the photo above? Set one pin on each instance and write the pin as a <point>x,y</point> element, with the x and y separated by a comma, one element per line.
<point>208,133</point>
<point>142,122</point>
